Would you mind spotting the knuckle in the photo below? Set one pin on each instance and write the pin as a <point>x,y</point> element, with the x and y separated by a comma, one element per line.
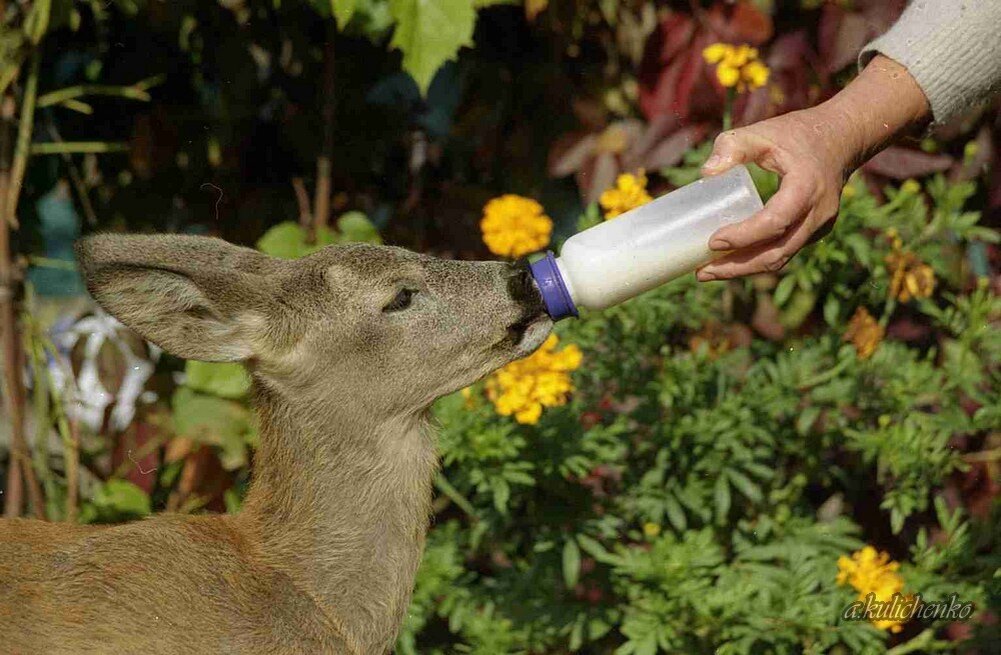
<point>723,138</point>
<point>776,262</point>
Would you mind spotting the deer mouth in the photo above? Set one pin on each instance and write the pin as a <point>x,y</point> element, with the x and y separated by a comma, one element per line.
<point>527,333</point>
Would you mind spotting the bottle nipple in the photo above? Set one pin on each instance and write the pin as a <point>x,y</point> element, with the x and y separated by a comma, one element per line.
<point>555,295</point>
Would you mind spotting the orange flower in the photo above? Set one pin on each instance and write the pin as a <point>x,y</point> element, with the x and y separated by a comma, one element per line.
<point>909,276</point>
<point>737,66</point>
<point>864,333</point>
<point>523,387</point>
<point>873,572</point>
<point>513,226</point>
<point>628,193</point>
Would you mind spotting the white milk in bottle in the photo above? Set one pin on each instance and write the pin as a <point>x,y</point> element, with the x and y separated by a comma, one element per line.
<point>645,247</point>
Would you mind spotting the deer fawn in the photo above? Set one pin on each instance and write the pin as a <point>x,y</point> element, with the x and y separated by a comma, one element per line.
<point>347,349</point>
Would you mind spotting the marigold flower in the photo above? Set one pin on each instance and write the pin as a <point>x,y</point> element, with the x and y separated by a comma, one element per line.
<point>737,66</point>
<point>871,571</point>
<point>513,226</point>
<point>522,388</point>
<point>864,332</point>
<point>628,193</point>
<point>909,276</point>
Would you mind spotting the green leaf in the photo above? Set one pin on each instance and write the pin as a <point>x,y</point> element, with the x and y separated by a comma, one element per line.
<point>227,380</point>
<point>215,421</point>
<point>429,33</point>
<point>286,240</point>
<point>342,10</point>
<point>675,514</point>
<point>832,309</point>
<point>722,497</point>
<point>784,289</point>
<point>116,500</point>
<point>355,226</point>
<point>750,490</point>
<point>571,563</point>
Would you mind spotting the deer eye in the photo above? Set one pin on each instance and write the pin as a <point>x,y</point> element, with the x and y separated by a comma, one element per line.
<point>401,301</point>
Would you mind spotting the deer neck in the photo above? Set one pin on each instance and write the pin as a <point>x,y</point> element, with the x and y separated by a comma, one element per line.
<point>342,501</point>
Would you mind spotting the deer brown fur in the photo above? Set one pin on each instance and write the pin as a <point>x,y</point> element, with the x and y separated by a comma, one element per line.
<point>322,557</point>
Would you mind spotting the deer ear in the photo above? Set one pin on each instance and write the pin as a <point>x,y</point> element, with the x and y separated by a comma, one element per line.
<point>196,297</point>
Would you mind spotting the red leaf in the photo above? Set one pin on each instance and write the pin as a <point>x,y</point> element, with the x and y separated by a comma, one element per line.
<point>570,152</point>
<point>670,151</point>
<point>659,126</point>
<point>597,176</point>
<point>853,33</point>
<point>827,29</point>
<point>677,30</point>
<point>748,23</point>
<point>902,163</point>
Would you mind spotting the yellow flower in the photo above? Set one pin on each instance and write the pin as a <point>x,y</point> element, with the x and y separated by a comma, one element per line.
<point>910,186</point>
<point>514,226</point>
<point>909,276</point>
<point>522,388</point>
<point>468,400</point>
<point>870,571</point>
<point>651,530</point>
<point>737,66</point>
<point>628,193</point>
<point>864,333</point>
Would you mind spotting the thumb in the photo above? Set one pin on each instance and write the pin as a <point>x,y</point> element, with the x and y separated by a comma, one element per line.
<point>732,148</point>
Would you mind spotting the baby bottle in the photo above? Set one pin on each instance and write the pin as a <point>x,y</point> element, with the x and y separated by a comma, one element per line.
<point>645,247</point>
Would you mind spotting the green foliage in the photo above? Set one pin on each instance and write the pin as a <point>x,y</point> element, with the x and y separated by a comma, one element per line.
<point>226,380</point>
<point>291,241</point>
<point>115,501</point>
<point>224,424</point>
<point>427,32</point>
<point>689,501</point>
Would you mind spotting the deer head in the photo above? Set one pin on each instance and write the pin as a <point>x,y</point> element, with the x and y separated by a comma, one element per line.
<point>389,329</point>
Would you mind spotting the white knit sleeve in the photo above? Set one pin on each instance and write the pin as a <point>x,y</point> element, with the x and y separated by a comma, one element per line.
<point>952,48</point>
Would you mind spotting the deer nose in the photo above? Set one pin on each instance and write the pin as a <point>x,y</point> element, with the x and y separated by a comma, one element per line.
<point>521,286</point>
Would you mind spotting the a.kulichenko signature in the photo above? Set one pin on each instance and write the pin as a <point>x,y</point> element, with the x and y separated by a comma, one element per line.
<point>904,608</point>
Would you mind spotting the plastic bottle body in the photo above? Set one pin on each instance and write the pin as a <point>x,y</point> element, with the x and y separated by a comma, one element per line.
<point>653,244</point>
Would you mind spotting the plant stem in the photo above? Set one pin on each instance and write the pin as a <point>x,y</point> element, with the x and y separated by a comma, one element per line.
<point>21,473</point>
<point>731,95</point>
<point>72,92</point>
<point>87,147</point>
<point>23,147</point>
<point>321,199</point>
<point>69,431</point>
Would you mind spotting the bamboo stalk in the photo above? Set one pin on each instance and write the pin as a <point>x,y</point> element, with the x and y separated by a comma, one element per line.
<point>69,430</point>
<point>302,200</point>
<point>60,96</point>
<point>14,398</point>
<point>21,149</point>
<point>41,404</point>
<point>321,200</point>
<point>13,498</point>
<point>80,147</point>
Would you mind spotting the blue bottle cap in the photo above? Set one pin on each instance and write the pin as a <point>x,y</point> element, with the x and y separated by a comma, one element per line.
<point>557,299</point>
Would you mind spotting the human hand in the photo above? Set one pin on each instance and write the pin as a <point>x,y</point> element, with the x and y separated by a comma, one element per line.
<point>813,164</point>
<point>813,150</point>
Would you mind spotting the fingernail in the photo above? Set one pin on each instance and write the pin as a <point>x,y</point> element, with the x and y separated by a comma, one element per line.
<point>713,162</point>
<point>705,276</point>
<point>719,244</point>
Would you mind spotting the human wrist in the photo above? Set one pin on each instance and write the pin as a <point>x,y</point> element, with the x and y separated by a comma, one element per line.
<point>883,103</point>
